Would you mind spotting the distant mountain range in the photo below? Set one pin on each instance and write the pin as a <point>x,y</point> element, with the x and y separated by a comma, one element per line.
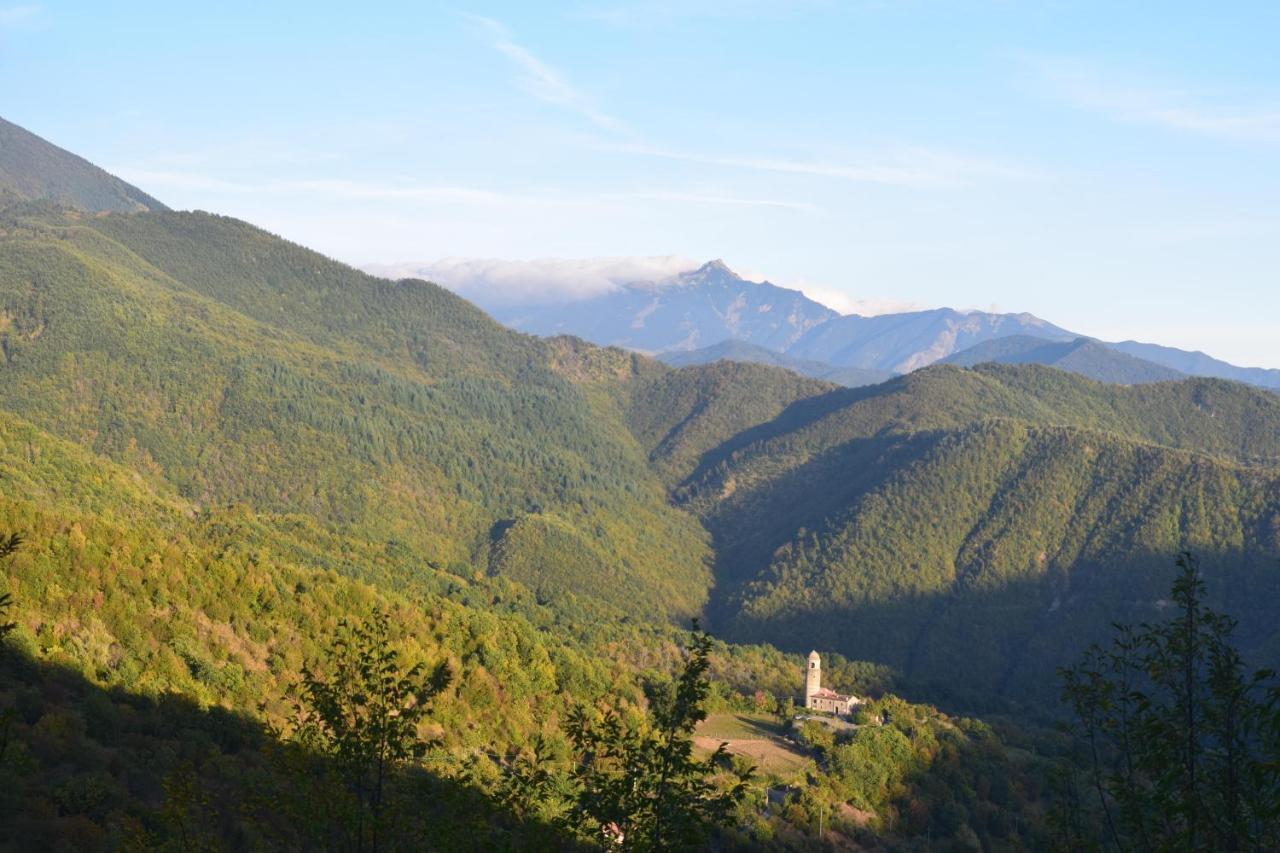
<point>711,314</point>
<point>688,311</point>
<point>904,342</point>
<point>33,169</point>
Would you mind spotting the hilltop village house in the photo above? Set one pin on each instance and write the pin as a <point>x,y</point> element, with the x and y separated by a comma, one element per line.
<point>819,698</point>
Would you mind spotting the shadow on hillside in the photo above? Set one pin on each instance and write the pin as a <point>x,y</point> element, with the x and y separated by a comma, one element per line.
<point>994,636</point>
<point>88,768</point>
<point>749,530</point>
<point>794,416</point>
<point>996,646</point>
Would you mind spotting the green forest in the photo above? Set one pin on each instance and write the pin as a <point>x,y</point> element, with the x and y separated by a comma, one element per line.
<point>296,557</point>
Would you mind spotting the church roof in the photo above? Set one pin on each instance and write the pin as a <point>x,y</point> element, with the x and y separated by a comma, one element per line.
<point>824,693</point>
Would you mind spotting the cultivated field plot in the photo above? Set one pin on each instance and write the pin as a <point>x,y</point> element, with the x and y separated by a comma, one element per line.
<point>758,737</point>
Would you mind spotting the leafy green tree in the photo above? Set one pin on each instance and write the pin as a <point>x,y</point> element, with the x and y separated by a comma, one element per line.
<point>639,787</point>
<point>361,721</point>
<point>1176,732</point>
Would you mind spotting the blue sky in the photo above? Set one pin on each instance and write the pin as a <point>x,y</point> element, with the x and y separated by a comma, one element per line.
<point>1112,167</point>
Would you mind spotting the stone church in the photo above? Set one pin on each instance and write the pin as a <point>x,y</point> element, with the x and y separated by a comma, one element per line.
<point>819,698</point>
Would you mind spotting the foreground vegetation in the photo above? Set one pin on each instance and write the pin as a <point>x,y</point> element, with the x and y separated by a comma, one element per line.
<point>1180,739</point>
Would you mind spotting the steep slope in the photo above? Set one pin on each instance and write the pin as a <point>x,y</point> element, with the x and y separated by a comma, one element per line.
<point>678,415</point>
<point>691,310</point>
<point>1084,356</point>
<point>903,342</point>
<point>735,350</point>
<point>239,368</point>
<point>1199,364</point>
<point>32,169</point>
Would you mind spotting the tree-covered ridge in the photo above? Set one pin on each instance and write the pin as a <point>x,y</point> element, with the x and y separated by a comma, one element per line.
<point>33,169</point>
<point>227,459</point>
<point>678,416</point>
<point>250,370</point>
<point>239,369</point>
<point>1208,416</point>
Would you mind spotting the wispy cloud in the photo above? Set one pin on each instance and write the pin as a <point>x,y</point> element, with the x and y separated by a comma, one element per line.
<point>15,16</point>
<point>660,13</point>
<point>541,80</point>
<point>502,283</point>
<point>731,201</point>
<point>906,167</point>
<point>846,303</point>
<point>363,190</point>
<point>493,282</point>
<point>1124,98</point>
<point>335,188</point>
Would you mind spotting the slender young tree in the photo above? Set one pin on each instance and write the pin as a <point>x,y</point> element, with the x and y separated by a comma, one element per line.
<point>1176,732</point>
<point>640,787</point>
<point>358,727</point>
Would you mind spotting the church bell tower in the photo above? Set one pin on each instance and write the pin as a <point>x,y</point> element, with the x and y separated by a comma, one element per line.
<point>812,678</point>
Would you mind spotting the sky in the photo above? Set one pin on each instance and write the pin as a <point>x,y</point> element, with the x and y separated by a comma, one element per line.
<point>1111,167</point>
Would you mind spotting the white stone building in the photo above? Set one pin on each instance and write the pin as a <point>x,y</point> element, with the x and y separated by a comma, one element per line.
<point>819,698</point>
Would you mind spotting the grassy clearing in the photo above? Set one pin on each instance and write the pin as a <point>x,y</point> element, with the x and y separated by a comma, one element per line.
<point>758,737</point>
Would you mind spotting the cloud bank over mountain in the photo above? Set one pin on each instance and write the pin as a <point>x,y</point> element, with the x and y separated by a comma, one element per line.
<point>499,283</point>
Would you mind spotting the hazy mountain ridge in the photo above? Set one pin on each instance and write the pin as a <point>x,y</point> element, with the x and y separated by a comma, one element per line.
<point>1084,356</point>
<point>904,342</point>
<point>1199,364</point>
<point>687,311</point>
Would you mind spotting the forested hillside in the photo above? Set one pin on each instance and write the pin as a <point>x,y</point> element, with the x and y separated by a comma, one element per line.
<point>243,369</point>
<point>1018,509</point>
